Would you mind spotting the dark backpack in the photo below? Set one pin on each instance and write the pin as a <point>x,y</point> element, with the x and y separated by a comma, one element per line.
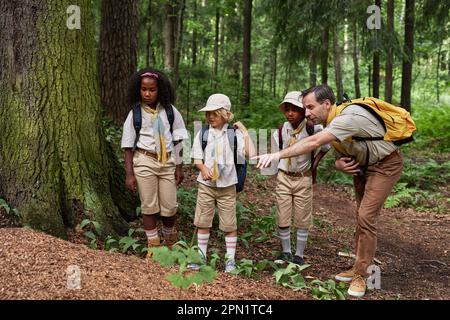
<point>137,120</point>
<point>241,165</point>
<point>310,130</point>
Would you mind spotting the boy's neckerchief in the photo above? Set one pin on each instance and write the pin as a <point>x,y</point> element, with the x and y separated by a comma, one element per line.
<point>158,133</point>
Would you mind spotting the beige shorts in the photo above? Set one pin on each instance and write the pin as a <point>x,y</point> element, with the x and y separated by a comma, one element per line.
<point>226,205</point>
<point>294,199</point>
<point>156,185</point>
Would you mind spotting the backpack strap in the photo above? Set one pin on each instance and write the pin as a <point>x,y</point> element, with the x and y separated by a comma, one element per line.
<point>232,140</point>
<point>170,117</point>
<point>280,137</point>
<point>137,122</point>
<point>204,138</point>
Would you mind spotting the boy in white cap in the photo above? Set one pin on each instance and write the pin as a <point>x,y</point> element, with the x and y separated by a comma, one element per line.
<point>218,177</point>
<point>294,191</point>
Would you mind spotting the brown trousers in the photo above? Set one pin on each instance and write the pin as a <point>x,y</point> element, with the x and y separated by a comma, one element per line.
<point>371,192</point>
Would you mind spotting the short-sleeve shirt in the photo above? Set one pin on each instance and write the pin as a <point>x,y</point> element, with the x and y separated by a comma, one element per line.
<point>146,136</point>
<point>356,121</point>
<point>218,147</point>
<point>302,162</point>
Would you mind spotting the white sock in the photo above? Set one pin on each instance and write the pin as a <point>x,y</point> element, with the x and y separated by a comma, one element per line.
<point>202,242</point>
<point>231,247</point>
<point>151,234</point>
<point>285,237</point>
<point>302,237</point>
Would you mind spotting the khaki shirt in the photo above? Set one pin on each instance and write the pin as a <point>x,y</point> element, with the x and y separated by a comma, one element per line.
<point>356,121</point>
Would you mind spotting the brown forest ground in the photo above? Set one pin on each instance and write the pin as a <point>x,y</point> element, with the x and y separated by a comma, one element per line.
<point>412,248</point>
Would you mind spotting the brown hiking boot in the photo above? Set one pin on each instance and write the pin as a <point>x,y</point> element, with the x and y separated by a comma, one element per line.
<point>346,276</point>
<point>358,286</point>
<point>170,239</point>
<point>152,243</point>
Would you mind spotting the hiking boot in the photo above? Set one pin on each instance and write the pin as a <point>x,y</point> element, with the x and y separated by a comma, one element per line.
<point>284,257</point>
<point>298,260</point>
<point>170,239</point>
<point>358,286</point>
<point>230,266</point>
<point>195,266</point>
<point>346,276</point>
<point>152,243</point>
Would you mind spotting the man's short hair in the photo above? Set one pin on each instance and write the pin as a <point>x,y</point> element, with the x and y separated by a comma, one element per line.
<point>322,92</point>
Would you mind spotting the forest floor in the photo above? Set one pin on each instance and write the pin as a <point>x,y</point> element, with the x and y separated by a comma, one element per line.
<point>413,254</point>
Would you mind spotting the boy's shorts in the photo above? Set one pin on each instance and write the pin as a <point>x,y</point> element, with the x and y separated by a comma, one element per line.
<point>156,185</point>
<point>226,205</point>
<point>294,198</point>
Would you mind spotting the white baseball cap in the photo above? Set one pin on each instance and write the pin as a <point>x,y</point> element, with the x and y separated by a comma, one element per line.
<point>293,97</point>
<point>217,101</point>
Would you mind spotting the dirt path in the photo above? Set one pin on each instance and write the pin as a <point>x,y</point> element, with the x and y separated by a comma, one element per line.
<point>413,250</point>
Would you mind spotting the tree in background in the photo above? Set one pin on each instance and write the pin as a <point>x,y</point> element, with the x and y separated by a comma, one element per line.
<point>246,55</point>
<point>117,55</point>
<point>409,55</point>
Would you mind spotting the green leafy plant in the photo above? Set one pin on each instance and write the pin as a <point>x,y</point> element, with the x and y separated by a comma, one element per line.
<point>249,269</point>
<point>400,193</point>
<point>327,290</point>
<point>290,276</point>
<point>183,254</point>
<point>93,231</point>
<point>13,213</point>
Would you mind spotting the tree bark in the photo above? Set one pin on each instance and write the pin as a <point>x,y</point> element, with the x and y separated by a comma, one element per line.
<point>337,66</point>
<point>117,56</point>
<point>312,69</point>
<point>245,100</point>
<point>178,42</point>
<point>437,71</point>
<point>149,54</point>
<point>324,57</point>
<point>194,36</point>
<point>169,35</point>
<point>409,50</point>
<point>55,162</point>
<point>389,54</point>
<point>356,62</point>
<point>216,47</point>
<point>274,72</point>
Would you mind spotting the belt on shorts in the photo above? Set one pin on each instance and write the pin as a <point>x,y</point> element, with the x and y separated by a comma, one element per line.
<point>297,174</point>
<point>151,154</point>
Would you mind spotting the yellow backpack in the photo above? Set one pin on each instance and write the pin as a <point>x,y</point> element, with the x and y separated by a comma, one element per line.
<point>396,121</point>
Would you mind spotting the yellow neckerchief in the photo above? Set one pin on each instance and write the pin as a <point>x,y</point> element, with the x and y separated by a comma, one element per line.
<point>217,153</point>
<point>292,139</point>
<point>158,131</point>
<point>336,144</point>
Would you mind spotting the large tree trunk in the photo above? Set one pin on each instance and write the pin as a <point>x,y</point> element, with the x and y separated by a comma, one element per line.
<point>117,55</point>
<point>409,50</point>
<point>337,66</point>
<point>356,62</point>
<point>245,100</point>
<point>376,61</point>
<point>389,53</point>
<point>149,54</point>
<point>169,35</point>
<point>274,72</point>
<point>55,164</point>
<point>324,56</point>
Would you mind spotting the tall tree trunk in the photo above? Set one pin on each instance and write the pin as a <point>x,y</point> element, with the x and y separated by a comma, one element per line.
<point>369,82</point>
<point>409,50</point>
<point>356,61</point>
<point>55,162</point>
<point>178,41</point>
<point>376,61</point>
<point>169,35</point>
<point>389,54</point>
<point>149,54</point>
<point>274,72</point>
<point>117,56</point>
<point>216,47</point>
<point>437,71</point>
<point>194,36</point>
<point>312,69</point>
<point>324,56</point>
<point>337,66</point>
<point>245,100</point>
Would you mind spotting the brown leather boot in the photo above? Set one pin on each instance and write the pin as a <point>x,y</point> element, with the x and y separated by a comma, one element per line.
<point>171,238</point>
<point>152,243</point>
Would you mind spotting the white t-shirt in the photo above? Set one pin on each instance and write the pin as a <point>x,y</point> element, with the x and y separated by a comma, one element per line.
<point>302,162</point>
<point>218,148</point>
<point>146,136</point>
